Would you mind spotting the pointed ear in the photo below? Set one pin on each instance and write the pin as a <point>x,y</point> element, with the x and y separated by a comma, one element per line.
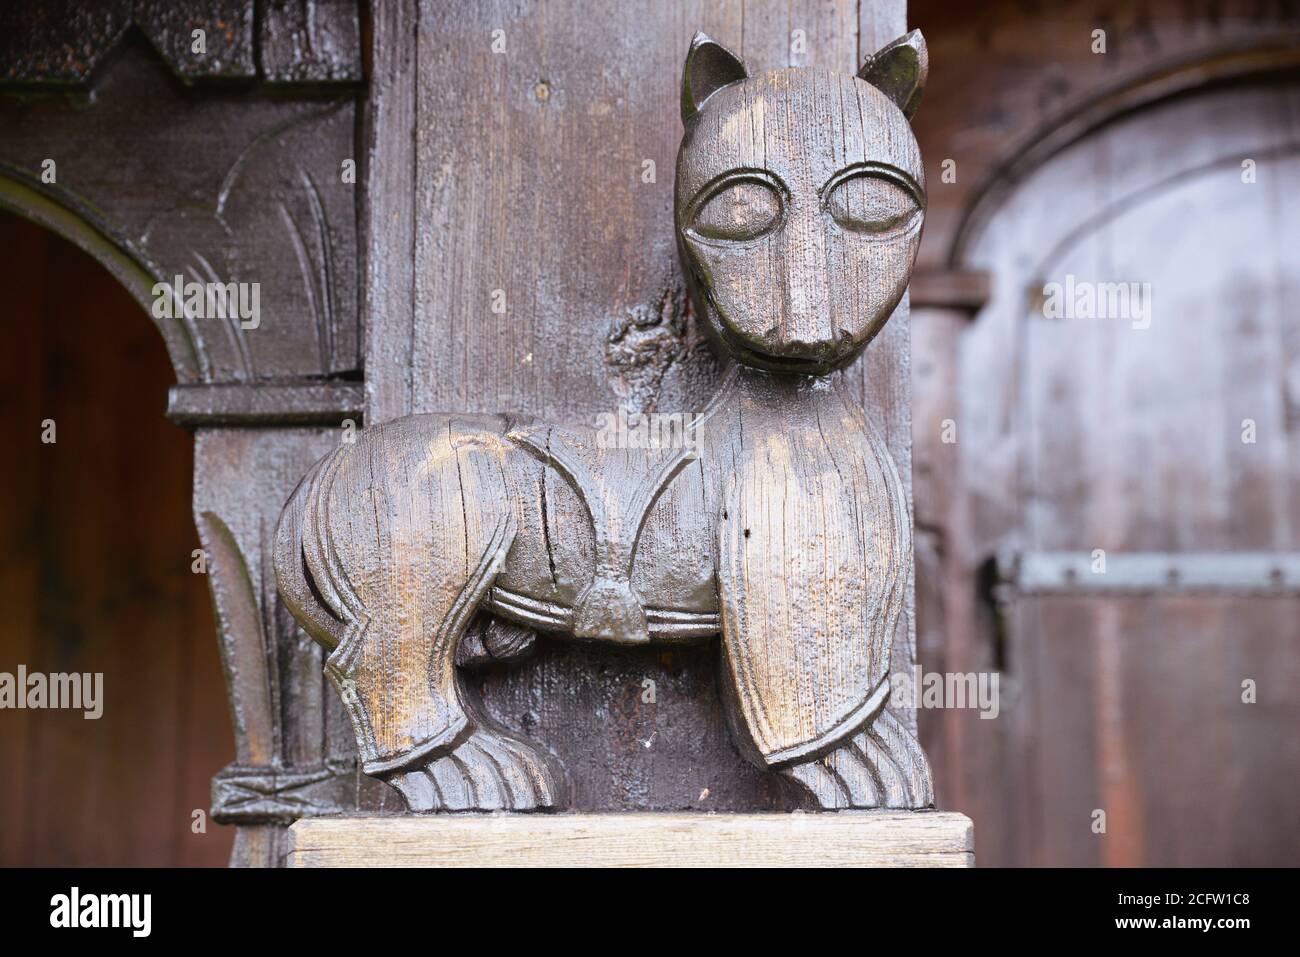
<point>898,70</point>
<point>709,67</point>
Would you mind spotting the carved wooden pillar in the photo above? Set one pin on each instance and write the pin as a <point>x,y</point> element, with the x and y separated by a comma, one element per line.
<point>521,255</point>
<point>511,245</point>
<point>533,267</point>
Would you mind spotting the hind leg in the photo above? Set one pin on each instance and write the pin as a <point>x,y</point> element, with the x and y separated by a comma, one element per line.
<point>880,766</point>
<point>401,537</point>
<point>418,730</point>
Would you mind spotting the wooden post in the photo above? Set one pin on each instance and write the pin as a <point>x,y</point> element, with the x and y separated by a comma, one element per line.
<point>521,256</point>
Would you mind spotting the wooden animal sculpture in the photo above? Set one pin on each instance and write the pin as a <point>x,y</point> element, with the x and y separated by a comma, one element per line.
<point>778,521</point>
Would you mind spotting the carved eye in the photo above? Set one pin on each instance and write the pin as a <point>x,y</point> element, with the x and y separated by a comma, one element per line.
<point>872,204</point>
<point>744,210</point>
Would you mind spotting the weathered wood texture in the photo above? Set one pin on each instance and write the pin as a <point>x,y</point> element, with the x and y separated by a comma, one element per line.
<point>546,205</point>
<point>1130,439</point>
<point>224,182</point>
<point>1013,83</point>
<point>96,577</point>
<point>1084,433</point>
<point>777,520</point>
<point>61,43</point>
<point>858,839</point>
<point>294,749</point>
<point>221,187</point>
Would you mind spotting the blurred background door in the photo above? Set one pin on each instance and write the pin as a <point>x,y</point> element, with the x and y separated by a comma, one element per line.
<point>1164,691</point>
<point>96,542</point>
<point>1178,439</point>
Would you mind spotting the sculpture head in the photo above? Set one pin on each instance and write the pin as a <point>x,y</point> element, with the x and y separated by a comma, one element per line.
<point>800,197</point>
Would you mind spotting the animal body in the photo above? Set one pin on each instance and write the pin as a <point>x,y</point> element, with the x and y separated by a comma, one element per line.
<point>779,522</point>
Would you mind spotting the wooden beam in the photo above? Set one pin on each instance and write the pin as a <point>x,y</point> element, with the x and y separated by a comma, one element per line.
<point>865,839</point>
<point>962,290</point>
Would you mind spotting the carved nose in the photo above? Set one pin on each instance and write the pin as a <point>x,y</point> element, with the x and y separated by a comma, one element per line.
<point>806,328</point>
<point>806,335</point>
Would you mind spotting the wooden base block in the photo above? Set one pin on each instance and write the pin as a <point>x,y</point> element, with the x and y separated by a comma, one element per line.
<point>843,839</point>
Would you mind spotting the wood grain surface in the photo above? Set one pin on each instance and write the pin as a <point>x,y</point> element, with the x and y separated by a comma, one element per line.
<point>779,518</point>
<point>533,186</point>
<point>857,839</point>
<point>1090,433</point>
<point>96,577</point>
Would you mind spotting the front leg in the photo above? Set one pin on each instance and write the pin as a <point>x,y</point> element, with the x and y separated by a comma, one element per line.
<point>475,764</point>
<point>880,766</point>
<point>813,553</point>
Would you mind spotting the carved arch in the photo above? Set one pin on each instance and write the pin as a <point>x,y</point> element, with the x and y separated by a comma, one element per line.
<point>62,215</point>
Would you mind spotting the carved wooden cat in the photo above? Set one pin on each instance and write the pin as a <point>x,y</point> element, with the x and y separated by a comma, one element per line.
<point>437,540</point>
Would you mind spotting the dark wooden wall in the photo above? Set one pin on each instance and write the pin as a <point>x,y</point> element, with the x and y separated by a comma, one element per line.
<point>229,167</point>
<point>95,553</point>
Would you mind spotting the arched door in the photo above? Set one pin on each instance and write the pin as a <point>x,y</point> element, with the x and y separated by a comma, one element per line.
<point>1130,403</point>
<point>97,579</point>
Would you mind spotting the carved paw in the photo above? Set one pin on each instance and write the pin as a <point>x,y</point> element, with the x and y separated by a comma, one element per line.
<point>489,771</point>
<point>880,767</point>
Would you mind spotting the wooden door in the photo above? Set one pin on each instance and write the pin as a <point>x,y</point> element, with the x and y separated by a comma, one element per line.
<point>1160,687</point>
<point>97,577</point>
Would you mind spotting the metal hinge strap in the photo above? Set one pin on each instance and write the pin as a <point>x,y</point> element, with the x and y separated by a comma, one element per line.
<point>1152,573</point>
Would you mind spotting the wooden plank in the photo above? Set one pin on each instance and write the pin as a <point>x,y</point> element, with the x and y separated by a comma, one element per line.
<point>301,402</point>
<point>1268,573</point>
<point>387,214</point>
<point>867,839</point>
<point>964,291</point>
